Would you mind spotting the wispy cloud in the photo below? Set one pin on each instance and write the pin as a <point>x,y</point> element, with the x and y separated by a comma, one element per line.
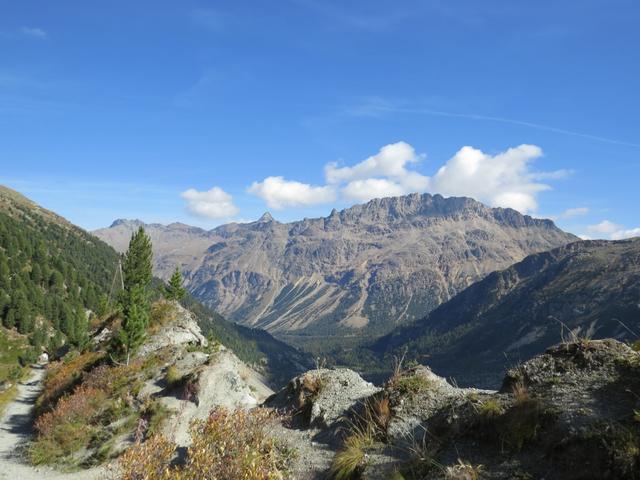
<point>380,107</point>
<point>609,230</point>
<point>571,213</point>
<point>34,32</point>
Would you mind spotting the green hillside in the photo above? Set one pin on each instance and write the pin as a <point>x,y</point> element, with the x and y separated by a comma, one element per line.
<point>51,273</point>
<point>55,278</point>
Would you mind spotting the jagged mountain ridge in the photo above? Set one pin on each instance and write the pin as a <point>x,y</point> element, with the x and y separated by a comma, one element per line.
<point>586,289</point>
<point>379,264</point>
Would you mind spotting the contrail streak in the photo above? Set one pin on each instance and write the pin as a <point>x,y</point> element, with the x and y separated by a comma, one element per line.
<point>511,121</point>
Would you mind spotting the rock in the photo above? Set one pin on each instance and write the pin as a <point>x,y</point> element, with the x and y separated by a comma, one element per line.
<point>567,414</point>
<point>190,361</point>
<point>417,395</point>
<point>103,336</point>
<point>321,397</point>
<point>182,330</point>
<point>223,381</point>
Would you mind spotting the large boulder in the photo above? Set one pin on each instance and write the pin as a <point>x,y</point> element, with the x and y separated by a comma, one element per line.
<point>182,329</point>
<point>319,398</point>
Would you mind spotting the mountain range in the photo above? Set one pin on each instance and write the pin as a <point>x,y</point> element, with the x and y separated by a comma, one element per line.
<point>378,265</point>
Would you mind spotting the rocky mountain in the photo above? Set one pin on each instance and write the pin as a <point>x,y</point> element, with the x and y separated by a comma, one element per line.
<point>588,289</point>
<point>379,265</point>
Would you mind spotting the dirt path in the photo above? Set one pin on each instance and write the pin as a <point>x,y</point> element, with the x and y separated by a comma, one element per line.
<point>15,431</point>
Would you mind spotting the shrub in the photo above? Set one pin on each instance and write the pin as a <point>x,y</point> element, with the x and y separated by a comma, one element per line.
<point>411,384</point>
<point>162,313</point>
<point>67,427</point>
<point>226,445</point>
<point>490,409</point>
<point>149,461</point>
<point>521,423</point>
<point>63,376</point>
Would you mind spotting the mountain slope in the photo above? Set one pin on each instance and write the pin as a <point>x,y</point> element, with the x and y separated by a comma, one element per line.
<point>589,289</point>
<point>52,272</point>
<point>378,265</point>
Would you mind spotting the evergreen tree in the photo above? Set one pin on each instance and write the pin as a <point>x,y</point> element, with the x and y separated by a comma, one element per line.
<point>174,289</point>
<point>136,268</point>
<point>136,320</point>
<point>135,298</point>
<point>81,327</point>
<point>10,318</point>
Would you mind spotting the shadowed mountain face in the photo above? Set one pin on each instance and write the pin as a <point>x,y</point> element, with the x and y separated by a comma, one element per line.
<point>377,265</point>
<point>588,289</point>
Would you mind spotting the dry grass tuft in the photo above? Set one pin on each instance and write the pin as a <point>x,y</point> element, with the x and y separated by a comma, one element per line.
<point>350,461</point>
<point>463,471</point>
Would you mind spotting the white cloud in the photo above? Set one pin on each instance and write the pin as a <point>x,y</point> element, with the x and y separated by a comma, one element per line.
<point>34,32</point>
<point>280,193</point>
<point>214,203</point>
<point>384,174</point>
<point>390,161</point>
<point>606,227</point>
<point>502,180</point>
<point>620,234</point>
<point>612,231</point>
<point>365,190</point>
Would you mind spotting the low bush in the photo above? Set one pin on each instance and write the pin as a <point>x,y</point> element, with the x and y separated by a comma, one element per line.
<point>411,384</point>
<point>63,375</point>
<point>226,445</point>
<point>68,427</point>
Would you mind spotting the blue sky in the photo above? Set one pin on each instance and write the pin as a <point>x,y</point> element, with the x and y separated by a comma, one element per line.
<point>204,112</point>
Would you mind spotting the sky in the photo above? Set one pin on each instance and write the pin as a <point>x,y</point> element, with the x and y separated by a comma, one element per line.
<point>211,112</point>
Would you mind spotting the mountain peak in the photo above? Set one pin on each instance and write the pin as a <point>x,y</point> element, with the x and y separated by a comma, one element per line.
<point>266,217</point>
<point>126,222</point>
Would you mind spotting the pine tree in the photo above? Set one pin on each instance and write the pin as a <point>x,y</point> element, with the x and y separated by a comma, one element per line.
<point>137,261</point>
<point>174,289</point>
<point>135,298</point>
<point>136,320</point>
<point>81,327</point>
